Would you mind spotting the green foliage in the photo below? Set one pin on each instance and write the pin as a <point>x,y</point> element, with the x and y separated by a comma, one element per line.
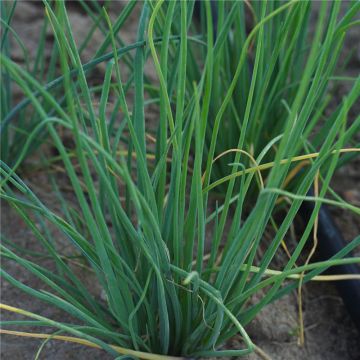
<point>18,121</point>
<point>177,269</point>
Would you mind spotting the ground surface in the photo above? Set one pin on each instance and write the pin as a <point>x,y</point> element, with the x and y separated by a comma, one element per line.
<point>330,334</point>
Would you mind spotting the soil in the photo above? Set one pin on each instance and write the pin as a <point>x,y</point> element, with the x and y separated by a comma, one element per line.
<point>329,332</point>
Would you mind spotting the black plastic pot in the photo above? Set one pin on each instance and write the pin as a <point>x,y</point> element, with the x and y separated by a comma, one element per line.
<point>330,242</point>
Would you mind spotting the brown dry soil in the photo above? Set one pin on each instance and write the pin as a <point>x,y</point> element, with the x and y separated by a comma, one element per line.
<point>329,332</point>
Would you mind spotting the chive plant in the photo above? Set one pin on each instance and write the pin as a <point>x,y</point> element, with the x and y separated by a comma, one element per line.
<point>177,281</point>
<point>279,65</point>
<point>19,119</point>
